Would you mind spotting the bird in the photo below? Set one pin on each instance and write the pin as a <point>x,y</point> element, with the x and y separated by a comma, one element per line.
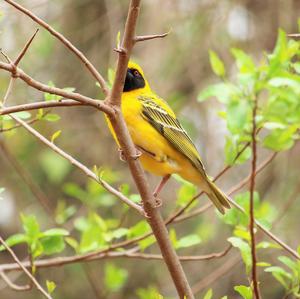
<point>163,145</point>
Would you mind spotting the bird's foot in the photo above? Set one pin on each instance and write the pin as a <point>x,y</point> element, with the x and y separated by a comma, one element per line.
<point>134,156</point>
<point>122,155</point>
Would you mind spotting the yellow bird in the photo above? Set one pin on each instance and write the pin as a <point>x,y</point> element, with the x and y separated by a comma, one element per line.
<point>165,146</point>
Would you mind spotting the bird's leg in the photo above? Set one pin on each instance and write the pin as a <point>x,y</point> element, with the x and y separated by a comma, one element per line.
<point>137,154</point>
<point>159,188</point>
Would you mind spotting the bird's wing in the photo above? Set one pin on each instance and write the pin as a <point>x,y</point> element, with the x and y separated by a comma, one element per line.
<point>162,118</point>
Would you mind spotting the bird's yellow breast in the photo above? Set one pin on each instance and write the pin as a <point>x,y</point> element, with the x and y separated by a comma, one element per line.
<point>158,157</point>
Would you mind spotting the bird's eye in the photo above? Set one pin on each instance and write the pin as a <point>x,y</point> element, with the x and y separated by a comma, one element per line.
<point>136,73</point>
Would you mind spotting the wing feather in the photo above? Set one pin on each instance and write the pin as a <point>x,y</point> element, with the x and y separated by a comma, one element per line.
<point>169,127</point>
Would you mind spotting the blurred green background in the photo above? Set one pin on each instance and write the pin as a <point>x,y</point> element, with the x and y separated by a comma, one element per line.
<point>177,68</point>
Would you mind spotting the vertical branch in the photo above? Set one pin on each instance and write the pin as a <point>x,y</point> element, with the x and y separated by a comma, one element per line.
<point>251,212</point>
<point>118,123</point>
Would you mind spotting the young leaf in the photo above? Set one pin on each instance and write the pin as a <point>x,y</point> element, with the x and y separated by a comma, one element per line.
<point>51,117</point>
<point>51,286</point>
<point>244,291</point>
<point>14,240</point>
<point>115,277</point>
<point>216,64</point>
<point>52,244</point>
<point>188,241</point>
<point>55,135</point>
<point>208,294</point>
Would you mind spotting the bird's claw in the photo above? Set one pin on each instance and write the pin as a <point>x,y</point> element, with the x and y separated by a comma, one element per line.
<point>121,155</point>
<point>134,157</point>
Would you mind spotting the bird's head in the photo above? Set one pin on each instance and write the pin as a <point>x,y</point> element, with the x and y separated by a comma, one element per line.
<point>135,78</point>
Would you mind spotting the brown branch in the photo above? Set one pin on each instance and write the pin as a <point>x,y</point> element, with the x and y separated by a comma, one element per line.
<point>19,73</point>
<point>154,217</point>
<point>76,163</point>
<point>141,38</point>
<point>66,42</point>
<point>23,52</point>
<point>12,285</point>
<point>29,275</point>
<point>251,207</point>
<point>61,261</point>
<point>39,105</point>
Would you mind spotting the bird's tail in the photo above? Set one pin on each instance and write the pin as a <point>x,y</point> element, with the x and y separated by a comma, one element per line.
<point>218,198</point>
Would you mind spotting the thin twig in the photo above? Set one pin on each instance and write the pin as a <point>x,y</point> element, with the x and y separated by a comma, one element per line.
<point>23,52</point>
<point>32,278</point>
<point>76,163</point>
<point>267,232</point>
<point>141,38</point>
<point>19,73</point>
<point>61,261</point>
<point>251,206</point>
<point>12,285</point>
<point>66,42</point>
<point>39,105</point>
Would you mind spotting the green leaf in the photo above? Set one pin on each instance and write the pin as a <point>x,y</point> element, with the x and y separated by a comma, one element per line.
<point>185,193</point>
<point>115,277</point>
<point>288,262</point>
<point>51,286</point>
<point>282,276</point>
<point>280,140</point>
<point>244,291</point>
<point>147,242</point>
<point>30,226</point>
<point>149,293</point>
<point>55,232</point>
<point>216,64</point>
<point>22,114</point>
<point>51,117</point>
<point>188,241</point>
<point>55,135</point>
<point>208,294</point>
<point>222,91</point>
<point>244,62</point>
<point>120,232</point>
<point>52,244</point>
<point>14,240</point>
<point>139,229</point>
<point>244,249</point>
<point>238,116</point>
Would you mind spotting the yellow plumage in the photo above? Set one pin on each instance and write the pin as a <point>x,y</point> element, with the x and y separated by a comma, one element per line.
<point>166,148</point>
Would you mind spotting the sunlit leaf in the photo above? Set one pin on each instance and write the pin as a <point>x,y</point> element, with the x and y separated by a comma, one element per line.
<point>216,64</point>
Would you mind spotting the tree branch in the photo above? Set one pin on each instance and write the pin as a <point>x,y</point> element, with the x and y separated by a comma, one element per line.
<point>154,217</point>
<point>39,105</point>
<point>61,261</point>
<point>19,73</point>
<point>141,38</point>
<point>251,207</point>
<point>32,278</point>
<point>76,163</point>
<point>66,42</point>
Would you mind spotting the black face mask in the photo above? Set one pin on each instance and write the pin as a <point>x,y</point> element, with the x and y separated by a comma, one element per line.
<point>134,80</point>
